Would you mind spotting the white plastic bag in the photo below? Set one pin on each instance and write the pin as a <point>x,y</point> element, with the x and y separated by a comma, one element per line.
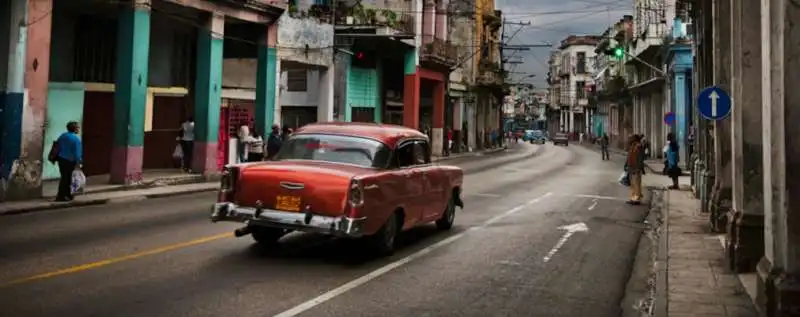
<point>178,152</point>
<point>624,179</point>
<point>78,181</point>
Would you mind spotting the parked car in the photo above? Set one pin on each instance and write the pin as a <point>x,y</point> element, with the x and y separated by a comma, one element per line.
<point>348,180</point>
<point>561,138</point>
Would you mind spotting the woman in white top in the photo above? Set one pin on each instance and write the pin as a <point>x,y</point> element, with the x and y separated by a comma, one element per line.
<point>255,146</point>
<point>187,143</point>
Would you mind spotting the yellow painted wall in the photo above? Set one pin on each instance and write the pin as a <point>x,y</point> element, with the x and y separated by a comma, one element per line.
<point>151,92</point>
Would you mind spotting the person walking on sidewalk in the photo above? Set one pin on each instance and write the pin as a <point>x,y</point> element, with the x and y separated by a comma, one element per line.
<point>70,157</point>
<point>604,147</point>
<point>255,147</point>
<point>187,143</point>
<point>672,169</point>
<point>274,141</point>
<point>634,166</point>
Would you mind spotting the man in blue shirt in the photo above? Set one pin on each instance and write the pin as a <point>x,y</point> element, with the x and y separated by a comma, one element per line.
<point>70,156</point>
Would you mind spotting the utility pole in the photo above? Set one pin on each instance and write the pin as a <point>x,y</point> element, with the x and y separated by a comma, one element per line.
<point>503,47</point>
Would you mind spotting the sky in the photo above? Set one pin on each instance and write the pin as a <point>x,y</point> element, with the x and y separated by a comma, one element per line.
<point>550,22</point>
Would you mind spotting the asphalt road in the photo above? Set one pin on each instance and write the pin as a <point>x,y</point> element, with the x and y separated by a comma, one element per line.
<point>508,254</point>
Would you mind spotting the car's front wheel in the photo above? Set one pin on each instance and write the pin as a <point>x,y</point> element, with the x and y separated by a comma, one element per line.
<point>448,217</point>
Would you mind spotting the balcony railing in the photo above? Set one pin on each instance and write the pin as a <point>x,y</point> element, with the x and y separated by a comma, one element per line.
<point>359,16</point>
<point>440,51</point>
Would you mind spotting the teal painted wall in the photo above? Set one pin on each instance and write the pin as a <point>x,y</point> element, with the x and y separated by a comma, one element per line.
<point>410,60</point>
<point>64,104</point>
<point>208,87</point>
<point>265,88</point>
<point>130,98</point>
<point>362,89</point>
<point>379,91</point>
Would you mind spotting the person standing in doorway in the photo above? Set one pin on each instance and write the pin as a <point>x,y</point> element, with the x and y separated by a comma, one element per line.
<point>187,143</point>
<point>274,141</point>
<point>244,133</point>
<point>634,165</point>
<point>70,157</point>
<point>255,147</point>
<point>604,147</point>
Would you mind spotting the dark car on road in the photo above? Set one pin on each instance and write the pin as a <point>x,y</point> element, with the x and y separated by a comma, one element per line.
<point>561,138</point>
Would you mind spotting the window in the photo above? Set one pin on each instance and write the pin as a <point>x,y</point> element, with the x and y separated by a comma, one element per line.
<point>580,90</point>
<point>336,149</point>
<point>581,68</point>
<point>296,80</point>
<point>412,153</point>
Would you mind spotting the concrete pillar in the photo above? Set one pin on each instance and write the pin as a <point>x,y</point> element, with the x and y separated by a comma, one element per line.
<point>779,270</point>
<point>458,122</point>
<point>721,194</point>
<point>130,97</point>
<point>428,21</point>
<point>411,83</point>
<point>437,135</point>
<point>326,96</point>
<point>25,109</point>
<point>681,115</point>
<point>208,95</point>
<point>441,20</point>
<point>379,89</point>
<point>745,239</point>
<point>571,122</point>
<point>267,70</point>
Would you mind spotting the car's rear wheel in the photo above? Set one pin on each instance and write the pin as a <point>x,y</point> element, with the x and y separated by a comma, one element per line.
<point>384,241</point>
<point>267,236</point>
<point>448,217</point>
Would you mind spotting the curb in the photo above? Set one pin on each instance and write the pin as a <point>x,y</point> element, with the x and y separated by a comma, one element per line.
<point>660,306</point>
<point>101,201</point>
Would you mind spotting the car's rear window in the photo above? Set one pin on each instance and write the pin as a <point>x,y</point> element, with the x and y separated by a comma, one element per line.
<point>561,135</point>
<point>334,148</point>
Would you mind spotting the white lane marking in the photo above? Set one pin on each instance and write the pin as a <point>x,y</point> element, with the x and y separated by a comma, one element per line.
<point>595,196</point>
<point>316,301</point>
<point>537,199</point>
<point>487,195</point>
<point>569,231</point>
<point>594,204</point>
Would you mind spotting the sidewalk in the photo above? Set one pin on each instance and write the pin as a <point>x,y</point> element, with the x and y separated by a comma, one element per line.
<point>691,276</point>
<point>156,185</point>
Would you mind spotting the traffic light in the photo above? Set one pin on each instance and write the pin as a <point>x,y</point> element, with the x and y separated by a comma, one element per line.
<point>359,55</point>
<point>615,50</point>
<point>619,52</point>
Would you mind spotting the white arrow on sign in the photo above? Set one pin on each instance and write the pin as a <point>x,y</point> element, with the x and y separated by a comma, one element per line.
<point>569,231</point>
<point>714,97</point>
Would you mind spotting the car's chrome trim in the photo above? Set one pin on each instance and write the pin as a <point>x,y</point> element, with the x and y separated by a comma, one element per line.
<point>300,221</point>
<point>292,186</point>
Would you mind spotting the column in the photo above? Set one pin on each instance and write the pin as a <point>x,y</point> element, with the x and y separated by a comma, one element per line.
<point>411,83</point>
<point>779,270</point>
<point>437,136</point>
<point>428,21</point>
<point>266,80</point>
<point>441,20</point>
<point>679,109</point>
<point>571,121</point>
<point>379,91</point>
<point>26,77</point>
<point>326,96</point>
<point>133,50</point>
<point>745,239</point>
<point>458,121</point>
<point>208,94</point>
<point>721,194</point>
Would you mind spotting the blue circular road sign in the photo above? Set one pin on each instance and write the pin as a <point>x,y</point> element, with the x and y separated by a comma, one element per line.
<point>714,103</point>
<point>669,118</point>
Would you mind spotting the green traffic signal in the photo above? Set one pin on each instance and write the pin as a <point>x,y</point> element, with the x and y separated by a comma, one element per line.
<point>618,52</point>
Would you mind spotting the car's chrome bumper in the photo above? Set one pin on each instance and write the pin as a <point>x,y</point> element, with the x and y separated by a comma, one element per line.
<point>300,221</point>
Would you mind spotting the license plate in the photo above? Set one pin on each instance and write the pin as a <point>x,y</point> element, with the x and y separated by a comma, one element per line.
<point>287,203</point>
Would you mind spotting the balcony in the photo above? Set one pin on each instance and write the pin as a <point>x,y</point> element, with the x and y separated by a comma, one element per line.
<point>363,20</point>
<point>489,74</point>
<point>439,53</point>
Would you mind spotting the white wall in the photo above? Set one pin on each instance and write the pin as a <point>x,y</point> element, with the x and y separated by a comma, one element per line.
<point>241,74</point>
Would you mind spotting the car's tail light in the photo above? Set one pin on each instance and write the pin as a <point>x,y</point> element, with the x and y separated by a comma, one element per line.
<point>227,186</point>
<point>355,196</point>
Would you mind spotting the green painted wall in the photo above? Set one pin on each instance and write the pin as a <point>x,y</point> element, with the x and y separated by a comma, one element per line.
<point>130,98</point>
<point>379,91</point>
<point>208,87</point>
<point>265,88</point>
<point>64,104</point>
<point>410,61</point>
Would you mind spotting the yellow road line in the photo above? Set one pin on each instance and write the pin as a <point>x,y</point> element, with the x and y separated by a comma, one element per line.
<point>94,265</point>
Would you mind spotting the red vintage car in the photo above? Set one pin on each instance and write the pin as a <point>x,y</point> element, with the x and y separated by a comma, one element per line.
<point>348,180</point>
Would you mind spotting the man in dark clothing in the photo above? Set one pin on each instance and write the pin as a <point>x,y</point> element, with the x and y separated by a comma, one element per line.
<point>604,147</point>
<point>274,141</point>
<point>70,157</point>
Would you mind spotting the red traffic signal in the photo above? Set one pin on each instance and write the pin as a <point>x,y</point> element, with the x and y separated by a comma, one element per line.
<point>360,55</point>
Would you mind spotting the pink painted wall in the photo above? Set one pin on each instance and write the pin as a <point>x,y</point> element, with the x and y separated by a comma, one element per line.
<point>441,20</point>
<point>37,73</point>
